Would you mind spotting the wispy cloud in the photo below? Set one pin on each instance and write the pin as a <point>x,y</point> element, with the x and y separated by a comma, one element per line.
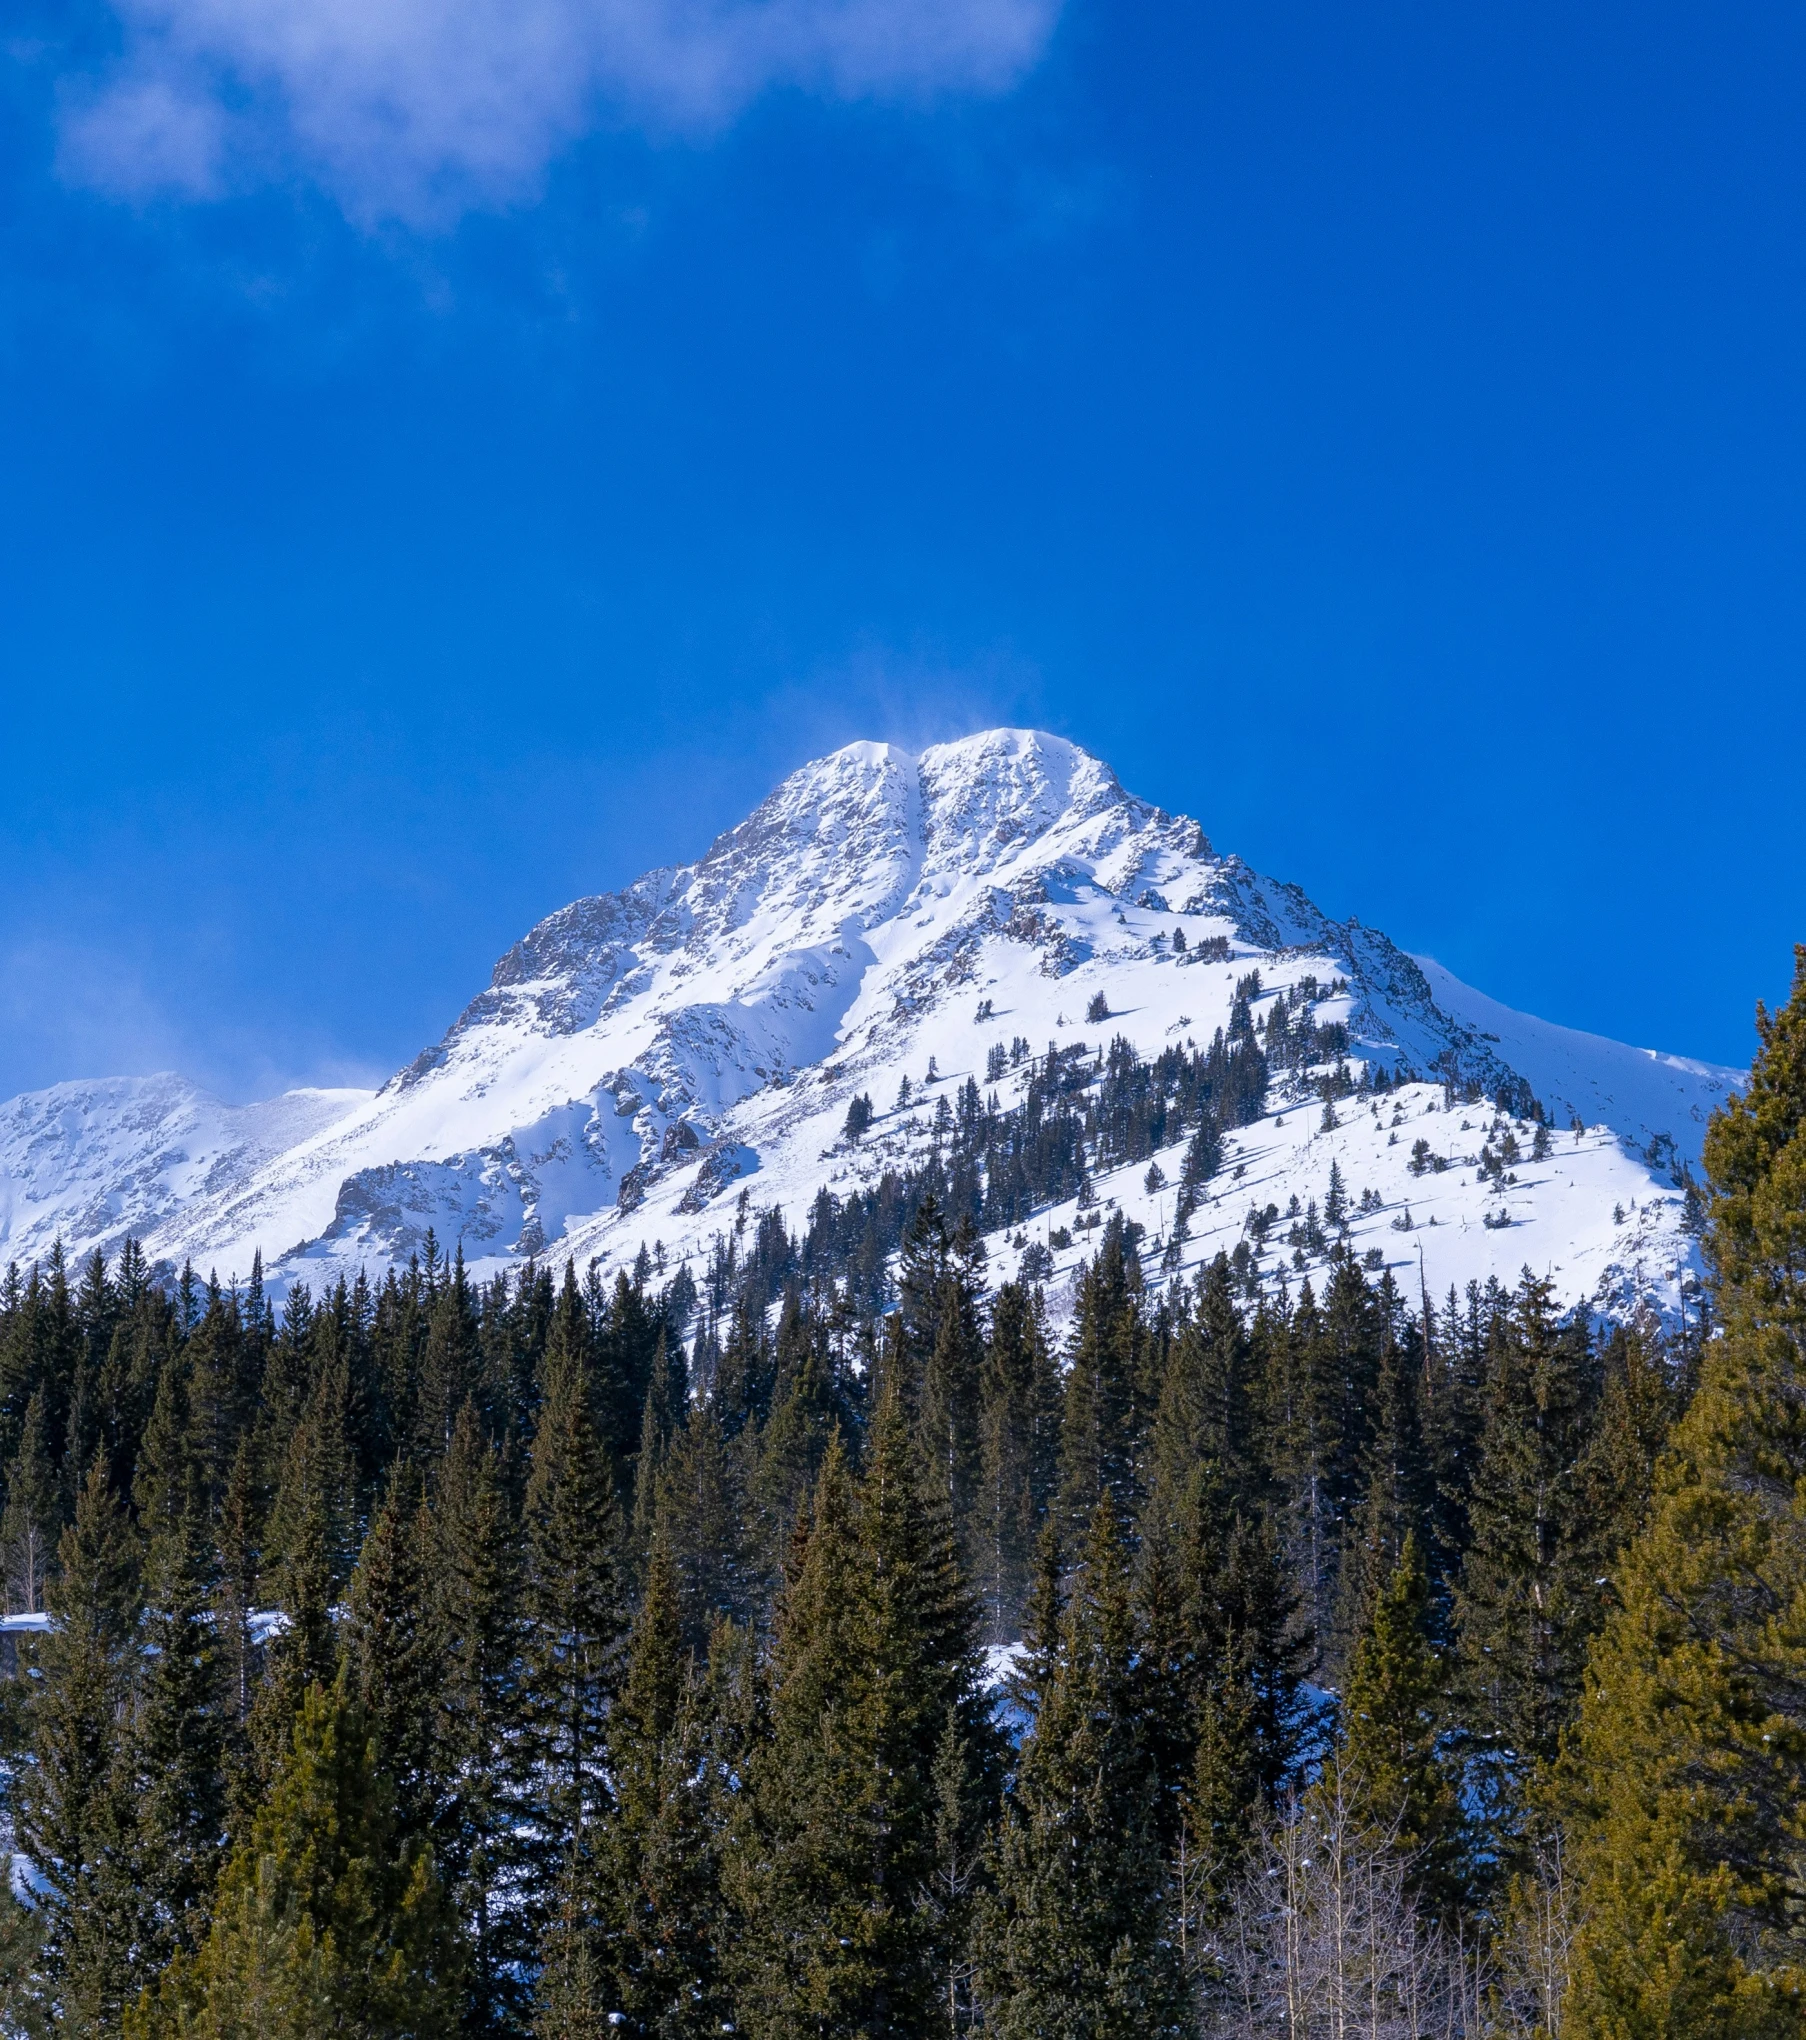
<point>417,110</point>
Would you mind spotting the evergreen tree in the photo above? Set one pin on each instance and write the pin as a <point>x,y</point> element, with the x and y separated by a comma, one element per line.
<point>1388,1776</point>
<point>395,1657</point>
<point>1397,1502</point>
<point>323,1922</point>
<point>1018,1423</point>
<point>1074,1945</point>
<point>176,1747</point>
<point>573,1618</point>
<point>947,1416</point>
<point>450,1365</point>
<point>1529,1595</point>
<point>1099,1424</point>
<point>1638,1405</point>
<point>309,1544</point>
<point>701,1515</point>
<point>794,1438</point>
<point>75,1813</point>
<point>481,1728</point>
<point>874,1644</point>
<point>1689,1759</point>
<point>32,1521</point>
<point>659,1898</point>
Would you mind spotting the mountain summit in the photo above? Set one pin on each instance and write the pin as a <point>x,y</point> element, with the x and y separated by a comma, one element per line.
<point>887,965</point>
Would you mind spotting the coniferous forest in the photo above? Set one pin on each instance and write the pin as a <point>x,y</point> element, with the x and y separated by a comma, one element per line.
<point>813,1645</point>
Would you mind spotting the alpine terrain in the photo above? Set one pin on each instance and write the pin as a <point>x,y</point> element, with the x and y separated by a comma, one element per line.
<point>987,970</point>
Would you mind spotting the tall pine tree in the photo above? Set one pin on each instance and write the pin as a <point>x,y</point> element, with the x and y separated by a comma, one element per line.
<point>1689,1760</point>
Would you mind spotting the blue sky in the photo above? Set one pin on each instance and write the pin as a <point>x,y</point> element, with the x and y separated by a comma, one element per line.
<point>451,468</point>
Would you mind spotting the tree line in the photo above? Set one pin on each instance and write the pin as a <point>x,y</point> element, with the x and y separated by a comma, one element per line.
<point>562,1656</point>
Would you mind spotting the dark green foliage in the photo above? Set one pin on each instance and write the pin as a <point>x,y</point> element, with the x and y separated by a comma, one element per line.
<point>480,1734</point>
<point>1019,1442</point>
<point>1529,1596</point>
<point>653,1614</point>
<point>658,1915</point>
<point>574,1622</point>
<point>395,1655</point>
<point>323,1923</point>
<point>1101,1423</point>
<point>1074,1941</point>
<point>176,1749</point>
<point>1688,1765</point>
<point>1389,1775</point>
<point>74,1817</point>
<point>875,1645</point>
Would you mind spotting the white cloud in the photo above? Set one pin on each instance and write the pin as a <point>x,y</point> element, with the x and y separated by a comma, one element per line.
<point>414,110</point>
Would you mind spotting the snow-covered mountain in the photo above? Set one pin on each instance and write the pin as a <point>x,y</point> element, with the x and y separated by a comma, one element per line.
<point>641,1058</point>
<point>93,1163</point>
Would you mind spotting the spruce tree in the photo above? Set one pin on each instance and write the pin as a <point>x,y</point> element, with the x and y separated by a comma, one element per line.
<point>1688,1764</point>
<point>658,1891</point>
<point>1397,1500</point>
<point>309,1543</point>
<point>875,1643</point>
<point>32,1521</point>
<point>1529,1594</point>
<point>1098,1425</point>
<point>323,1923</point>
<point>572,1605</point>
<point>395,1656</point>
<point>1389,1775</point>
<point>947,1416</point>
<point>792,1441</point>
<point>450,1366</point>
<point>75,1811</point>
<point>176,1749</point>
<point>1074,1944</point>
<point>1018,1423</point>
<point>481,1730</point>
<point>701,1515</point>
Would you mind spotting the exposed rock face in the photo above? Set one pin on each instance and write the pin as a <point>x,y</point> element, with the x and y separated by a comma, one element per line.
<point>637,1054</point>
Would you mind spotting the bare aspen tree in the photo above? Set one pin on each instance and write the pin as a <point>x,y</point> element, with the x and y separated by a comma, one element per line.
<point>1324,1941</point>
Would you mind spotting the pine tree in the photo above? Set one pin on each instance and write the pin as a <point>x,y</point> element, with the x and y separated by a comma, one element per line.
<point>573,1619</point>
<point>1099,1424</point>
<point>659,1896</point>
<point>947,1416</point>
<point>32,1521</point>
<point>323,1923</point>
<point>794,1438</point>
<point>309,1544</point>
<point>1397,1501</point>
<point>1689,1759</point>
<point>1074,1945</point>
<point>1389,1776</point>
<point>394,1654</point>
<point>1218,1815</point>
<point>1638,1405</point>
<point>481,1729</point>
<point>701,1515</point>
<point>874,1645</point>
<point>1529,1595</point>
<point>176,1748</point>
<point>75,1814</point>
<point>450,1367</point>
<point>236,1566</point>
<point>1018,1423</point>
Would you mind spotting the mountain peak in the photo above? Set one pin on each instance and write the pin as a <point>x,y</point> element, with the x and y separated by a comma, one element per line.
<point>980,910</point>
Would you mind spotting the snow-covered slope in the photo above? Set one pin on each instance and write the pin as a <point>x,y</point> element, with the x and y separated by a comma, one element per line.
<point>91,1163</point>
<point>641,1057</point>
<point>1659,1101</point>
